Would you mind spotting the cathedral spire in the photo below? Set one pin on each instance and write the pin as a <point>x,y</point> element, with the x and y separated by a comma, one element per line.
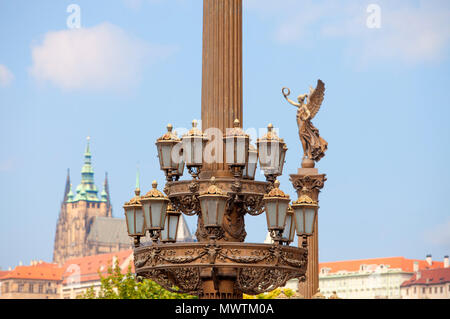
<point>68,185</point>
<point>87,190</point>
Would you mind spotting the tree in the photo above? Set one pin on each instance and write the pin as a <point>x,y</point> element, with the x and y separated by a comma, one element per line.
<point>116,285</point>
<point>273,294</point>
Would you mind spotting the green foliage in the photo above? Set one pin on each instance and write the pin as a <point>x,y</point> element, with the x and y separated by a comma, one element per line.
<point>116,285</point>
<point>273,294</point>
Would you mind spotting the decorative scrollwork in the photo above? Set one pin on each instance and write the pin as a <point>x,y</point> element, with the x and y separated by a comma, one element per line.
<point>254,281</point>
<point>308,184</point>
<point>253,204</point>
<point>179,280</point>
<point>187,204</point>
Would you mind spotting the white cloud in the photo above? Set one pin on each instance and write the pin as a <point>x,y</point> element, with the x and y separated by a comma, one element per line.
<point>101,57</point>
<point>6,77</point>
<point>410,31</point>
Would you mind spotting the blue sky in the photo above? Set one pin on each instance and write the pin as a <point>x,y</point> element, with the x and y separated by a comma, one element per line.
<point>135,65</point>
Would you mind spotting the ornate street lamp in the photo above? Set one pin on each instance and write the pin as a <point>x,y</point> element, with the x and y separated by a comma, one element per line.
<point>134,217</point>
<point>237,149</point>
<point>193,145</point>
<point>252,163</point>
<point>289,228</point>
<point>272,153</point>
<point>221,264</point>
<point>170,231</point>
<point>165,145</point>
<point>155,208</point>
<point>276,203</point>
<point>213,204</point>
<point>305,214</point>
<point>176,174</point>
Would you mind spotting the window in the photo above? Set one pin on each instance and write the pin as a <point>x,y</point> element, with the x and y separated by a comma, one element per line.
<point>431,290</point>
<point>41,289</point>
<point>423,290</point>
<point>442,289</point>
<point>6,288</point>
<point>30,288</point>
<point>20,288</point>
<point>435,290</point>
<point>415,290</point>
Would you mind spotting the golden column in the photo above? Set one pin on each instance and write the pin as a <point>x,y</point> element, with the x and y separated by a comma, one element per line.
<point>222,72</point>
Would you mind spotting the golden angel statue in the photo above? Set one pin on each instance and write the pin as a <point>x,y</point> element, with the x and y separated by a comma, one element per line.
<point>314,146</point>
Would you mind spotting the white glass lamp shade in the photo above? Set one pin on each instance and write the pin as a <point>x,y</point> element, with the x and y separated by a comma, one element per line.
<point>282,159</point>
<point>276,210</point>
<point>289,228</point>
<point>165,145</point>
<point>193,150</point>
<point>135,220</point>
<point>170,231</point>
<point>213,209</point>
<point>271,152</point>
<point>155,213</point>
<point>165,155</point>
<point>305,214</point>
<point>154,204</point>
<point>134,216</point>
<point>236,146</point>
<point>236,150</point>
<point>180,167</point>
<point>193,144</point>
<point>252,163</point>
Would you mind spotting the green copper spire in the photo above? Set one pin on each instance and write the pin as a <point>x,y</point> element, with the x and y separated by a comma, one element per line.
<point>137,179</point>
<point>104,194</point>
<point>87,190</point>
<point>70,195</point>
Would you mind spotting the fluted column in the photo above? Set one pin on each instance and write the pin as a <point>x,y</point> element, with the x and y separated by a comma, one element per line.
<point>309,182</point>
<point>222,71</point>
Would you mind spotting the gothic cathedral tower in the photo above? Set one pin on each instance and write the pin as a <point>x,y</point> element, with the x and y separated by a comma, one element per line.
<point>78,213</point>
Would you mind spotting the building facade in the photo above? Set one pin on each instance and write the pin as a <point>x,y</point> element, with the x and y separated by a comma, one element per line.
<point>81,274</point>
<point>378,278</point>
<point>85,225</point>
<point>39,280</point>
<point>428,284</point>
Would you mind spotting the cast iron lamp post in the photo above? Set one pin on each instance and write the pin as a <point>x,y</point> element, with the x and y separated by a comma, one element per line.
<point>221,192</point>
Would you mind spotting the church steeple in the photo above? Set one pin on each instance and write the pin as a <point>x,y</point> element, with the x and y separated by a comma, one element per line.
<point>68,185</point>
<point>87,190</point>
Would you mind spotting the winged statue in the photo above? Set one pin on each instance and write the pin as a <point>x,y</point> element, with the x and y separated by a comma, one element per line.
<point>308,106</point>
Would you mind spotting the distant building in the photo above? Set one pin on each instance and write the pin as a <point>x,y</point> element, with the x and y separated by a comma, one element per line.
<point>378,278</point>
<point>428,284</point>
<point>40,280</point>
<point>80,274</point>
<point>85,225</point>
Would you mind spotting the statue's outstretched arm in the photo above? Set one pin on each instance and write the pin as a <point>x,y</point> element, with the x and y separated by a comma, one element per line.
<point>286,92</point>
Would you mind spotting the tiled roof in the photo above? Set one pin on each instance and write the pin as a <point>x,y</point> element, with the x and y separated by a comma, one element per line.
<point>109,230</point>
<point>3,273</point>
<point>402,263</point>
<point>88,267</point>
<point>39,271</point>
<point>429,277</point>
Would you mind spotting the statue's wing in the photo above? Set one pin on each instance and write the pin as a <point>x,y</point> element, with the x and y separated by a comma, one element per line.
<point>315,99</point>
